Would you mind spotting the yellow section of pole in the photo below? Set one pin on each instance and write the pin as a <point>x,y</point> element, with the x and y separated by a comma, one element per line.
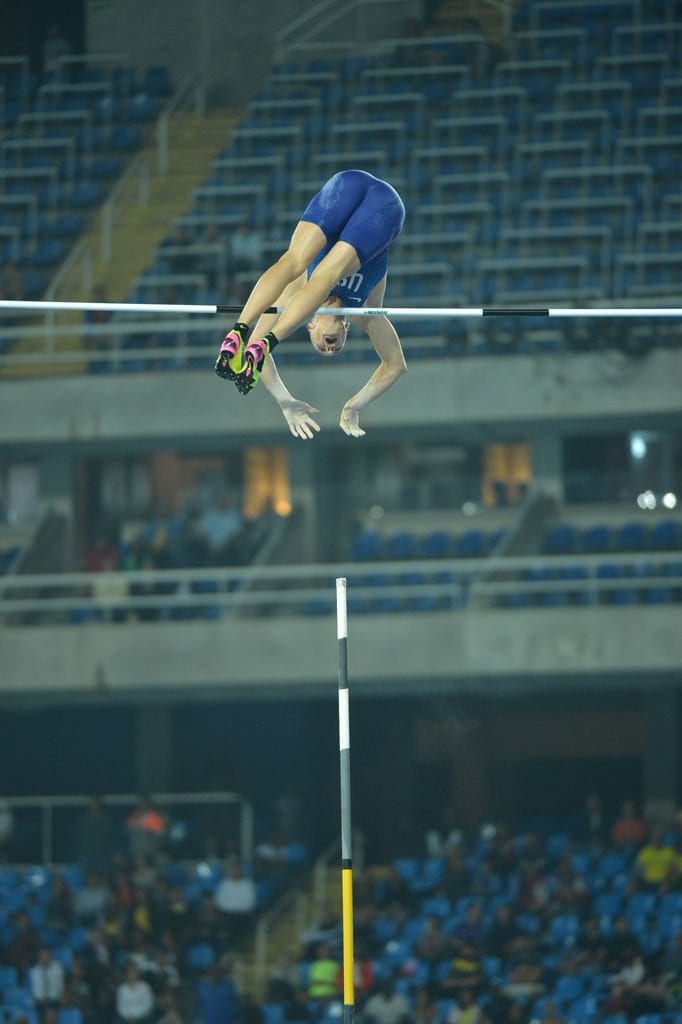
<point>347,917</point>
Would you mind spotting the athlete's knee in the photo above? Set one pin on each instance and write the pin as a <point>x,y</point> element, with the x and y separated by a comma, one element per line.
<point>293,262</point>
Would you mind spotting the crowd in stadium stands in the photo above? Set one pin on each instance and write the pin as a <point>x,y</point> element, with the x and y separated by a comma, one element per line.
<point>128,933</point>
<point>503,927</point>
<point>212,536</point>
<point>508,928</point>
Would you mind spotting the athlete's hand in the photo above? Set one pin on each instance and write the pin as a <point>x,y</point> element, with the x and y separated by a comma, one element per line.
<point>350,421</point>
<point>298,416</point>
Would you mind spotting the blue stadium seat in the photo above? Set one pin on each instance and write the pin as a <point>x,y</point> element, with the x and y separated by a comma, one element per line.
<point>630,537</point>
<point>367,546</point>
<point>471,544</point>
<point>435,545</point>
<point>596,539</point>
<point>401,545</point>
<point>666,536</point>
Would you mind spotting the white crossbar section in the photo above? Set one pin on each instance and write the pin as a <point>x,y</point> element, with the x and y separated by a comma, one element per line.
<point>394,312</point>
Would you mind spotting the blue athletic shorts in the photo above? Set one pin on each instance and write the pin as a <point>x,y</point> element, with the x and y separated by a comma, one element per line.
<point>357,208</point>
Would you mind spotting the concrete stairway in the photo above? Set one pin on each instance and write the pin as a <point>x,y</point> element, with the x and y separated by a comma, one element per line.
<point>284,930</point>
<point>194,142</point>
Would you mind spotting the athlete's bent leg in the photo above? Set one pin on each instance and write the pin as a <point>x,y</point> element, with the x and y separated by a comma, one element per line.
<point>342,259</point>
<point>306,242</point>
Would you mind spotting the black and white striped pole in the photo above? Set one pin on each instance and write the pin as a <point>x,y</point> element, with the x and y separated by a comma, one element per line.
<point>346,831</point>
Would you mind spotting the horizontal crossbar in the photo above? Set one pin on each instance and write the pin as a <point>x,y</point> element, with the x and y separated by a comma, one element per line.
<point>394,312</point>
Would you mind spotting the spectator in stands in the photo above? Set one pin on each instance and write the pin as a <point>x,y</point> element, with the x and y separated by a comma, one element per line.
<point>550,1014</point>
<point>55,46</point>
<point>433,944</point>
<point>464,972</point>
<point>162,536</point>
<point>220,527</point>
<point>619,1000</point>
<point>656,862</point>
<point>620,945</point>
<point>79,989</point>
<point>284,979</point>
<point>567,889</point>
<point>96,836</point>
<point>299,1010</point>
<point>505,936</point>
<point>457,877</point>
<point>6,829</point>
<point>91,902</point>
<point>628,829</point>
<point>440,841</point>
<point>102,556</point>
<point>134,998</point>
<point>471,931</point>
<point>235,897</point>
<point>594,824</point>
<point>46,979</point>
<point>591,945</point>
<point>59,909</point>
<point>217,1000</point>
<point>146,828</point>
<point>426,1010</point>
<point>323,975</point>
<point>171,1012</point>
<point>22,950</point>
<point>250,1012</point>
<point>466,1010</point>
<point>387,1006</point>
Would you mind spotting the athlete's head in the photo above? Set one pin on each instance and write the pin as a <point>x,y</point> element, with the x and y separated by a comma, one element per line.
<point>328,333</point>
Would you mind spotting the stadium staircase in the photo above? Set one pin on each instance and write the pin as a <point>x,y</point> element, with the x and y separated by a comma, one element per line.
<point>194,142</point>
<point>284,927</point>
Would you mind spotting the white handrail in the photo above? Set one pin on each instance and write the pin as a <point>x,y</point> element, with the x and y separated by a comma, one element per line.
<point>288,588</point>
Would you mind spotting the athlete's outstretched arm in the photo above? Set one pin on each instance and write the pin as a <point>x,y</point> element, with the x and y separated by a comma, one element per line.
<point>385,339</point>
<point>295,412</point>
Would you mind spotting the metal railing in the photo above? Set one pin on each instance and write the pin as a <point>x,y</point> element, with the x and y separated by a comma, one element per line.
<point>285,590</point>
<point>190,96</point>
<point>338,27</point>
<point>293,901</point>
<point>40,816</point>
<point>131,189</point>
<point>79,348</point>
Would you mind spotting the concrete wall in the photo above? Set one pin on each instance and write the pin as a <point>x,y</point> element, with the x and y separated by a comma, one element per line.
<point>472,651</point>
<point>228,42</point>
<point>519,395</point>
<point>224,42</point>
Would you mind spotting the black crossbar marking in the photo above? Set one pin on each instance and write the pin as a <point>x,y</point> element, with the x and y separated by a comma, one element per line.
<point>516,312</point>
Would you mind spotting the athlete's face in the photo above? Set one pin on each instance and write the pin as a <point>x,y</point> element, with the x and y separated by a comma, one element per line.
<point>328,334</point>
